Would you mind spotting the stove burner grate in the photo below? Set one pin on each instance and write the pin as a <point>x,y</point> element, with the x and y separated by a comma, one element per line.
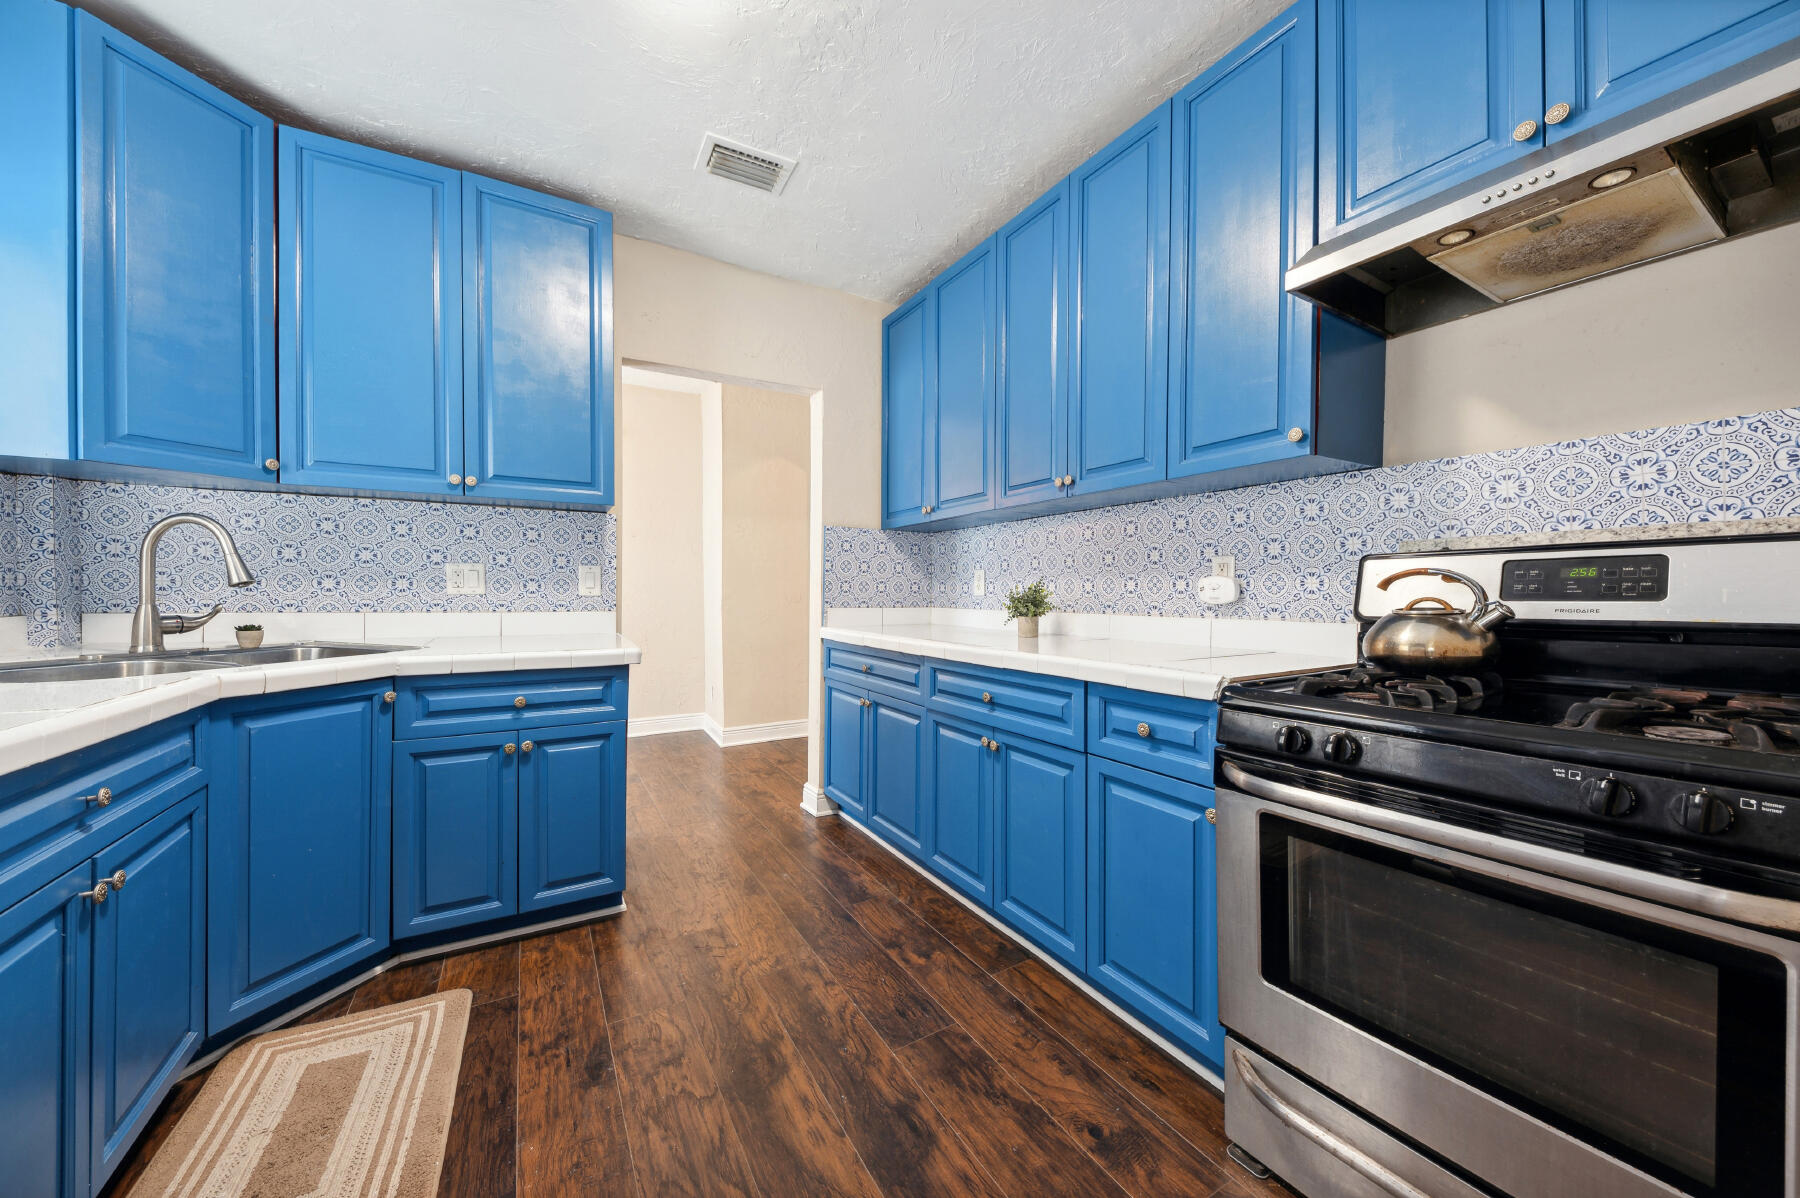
<point>1417,692</point>
<point>1761,723</point>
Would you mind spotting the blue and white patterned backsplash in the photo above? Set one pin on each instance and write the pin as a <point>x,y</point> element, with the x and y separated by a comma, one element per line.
<point>1296,544</point>
<point>69,546</point>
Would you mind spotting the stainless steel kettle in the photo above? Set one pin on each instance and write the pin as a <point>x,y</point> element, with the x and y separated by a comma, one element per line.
<point>1441,640</point>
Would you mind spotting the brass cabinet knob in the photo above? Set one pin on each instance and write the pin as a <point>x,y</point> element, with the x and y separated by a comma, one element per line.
<point>469,481</point>
<point>1143,730</point>
<point>1212,815</point>
<point>984,742</point>
<point>117,880</point>
<point>1296,435</point>
<point>1557,114</point>
<point>509,748</point>
<point>926,509</point>
<point>865,669</point>
<point>98,893</point>
<point>526,747</point>
<point>519,702</point>
<point>994,745</point>
<point>986,698</point>
<point>456,480</point>
<point>1524,130</point>
<point>99,798</point>
<point>271,463</point>
<point>389,697</point>
<point>865,703</point>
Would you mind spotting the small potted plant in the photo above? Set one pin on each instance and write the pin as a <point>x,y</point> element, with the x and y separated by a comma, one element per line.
<point>249,636</point>
<point>1025,604</point>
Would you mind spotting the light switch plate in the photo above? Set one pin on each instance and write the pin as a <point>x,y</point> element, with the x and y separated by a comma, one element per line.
<point>587,580</point>
<point>979,585</point>
<point>465,578</point>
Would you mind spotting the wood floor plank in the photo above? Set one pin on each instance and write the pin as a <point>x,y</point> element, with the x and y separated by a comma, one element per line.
<point>180,1097</point>
<point>907,1146</point>
<point>681,1140</point>
<point>1015,1140</point>
<point>414,979</point>
<point>480,1154</point>
<point>571,1126</point>
<point>489,973</point>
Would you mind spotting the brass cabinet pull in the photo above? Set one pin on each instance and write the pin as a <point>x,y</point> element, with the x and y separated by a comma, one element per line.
<point>1212,815</point>
<point>984,742</point>
<point>1296,435</point>
<point>99,892</point>
<point>509,749</point>
<point>117,880</point>
<point>1524,130</point>
<point>1143,730</point>
<point>456,480</point>
<point>1557,114</point>
<point>926,510</point>
<point>272,464</point>
<point>389,697</point>
<point>469,481</point>
<point>986,698</point>
<point>526,747</point>
<point>865,668</point>
<point>994,745</point>
<point>99,798</point>
<point>519,702</point>
<point>865,702</point>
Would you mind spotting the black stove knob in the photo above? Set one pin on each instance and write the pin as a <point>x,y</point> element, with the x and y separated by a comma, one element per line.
<point>1292,738</point>
<point>1702,812</point>
<point>1607,796</point>
<point>1342,748</point>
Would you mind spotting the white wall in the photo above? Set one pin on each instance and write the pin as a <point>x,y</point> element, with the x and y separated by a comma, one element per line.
<point>1708,334</point>
<point>660,596</point>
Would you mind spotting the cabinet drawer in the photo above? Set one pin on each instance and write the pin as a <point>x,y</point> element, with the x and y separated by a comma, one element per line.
<point>496,702</point>
<point>51,816</point>
<point>898,676</point>
<point>1164,733</point>
<point>1048,709</point>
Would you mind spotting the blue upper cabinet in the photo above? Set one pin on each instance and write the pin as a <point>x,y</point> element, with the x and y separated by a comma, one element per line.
<point>1119,360</point>
<point>1415,98</point>
<point>961,461</point>
<point>537,345</point>
<point>1242,347</point>
<point>1604,57</point>
<point>176,275</point>
<point>1031,433</point>
<point>371,318</point>
<point>907,411</point>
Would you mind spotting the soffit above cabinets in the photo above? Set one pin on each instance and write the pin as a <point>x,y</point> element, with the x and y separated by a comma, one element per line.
<point>919,127</point>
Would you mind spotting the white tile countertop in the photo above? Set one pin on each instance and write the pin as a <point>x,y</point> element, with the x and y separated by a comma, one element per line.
<point>39,720</point>
<point>1196,658</point>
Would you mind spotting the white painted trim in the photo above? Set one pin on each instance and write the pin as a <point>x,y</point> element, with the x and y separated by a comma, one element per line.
<point>1180,1054</point>
<point>814,802</point>
<point>657,725</point>
<point>755,734</point>
<point>420,954</point>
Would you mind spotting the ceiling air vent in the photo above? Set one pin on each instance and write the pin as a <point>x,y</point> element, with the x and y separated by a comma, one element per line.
<point>743,164</point>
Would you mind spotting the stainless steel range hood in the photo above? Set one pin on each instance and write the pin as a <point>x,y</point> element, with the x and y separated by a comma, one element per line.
<point>1713,161</point>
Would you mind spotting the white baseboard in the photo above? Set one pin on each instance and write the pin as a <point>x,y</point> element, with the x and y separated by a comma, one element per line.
<point>657,725</point>
<point>814,802</point>
<point>753,734</point>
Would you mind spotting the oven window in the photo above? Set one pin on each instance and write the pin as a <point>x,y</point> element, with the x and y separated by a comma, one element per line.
<point>1663,1048</point>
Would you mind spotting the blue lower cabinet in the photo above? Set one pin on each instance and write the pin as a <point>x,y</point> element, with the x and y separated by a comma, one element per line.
<point>456,814</point>
<point>1152,902</point>
<point>299,856</point>
<point>958,791</point>
<point>45,942</point>
<point>571,815</point>
<point>149,979</point>
<point>896,774</point>
<point>846,718</point>
<point>1040,841</point>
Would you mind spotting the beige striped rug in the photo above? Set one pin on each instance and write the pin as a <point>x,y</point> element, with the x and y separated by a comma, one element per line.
<point>356,1107</point>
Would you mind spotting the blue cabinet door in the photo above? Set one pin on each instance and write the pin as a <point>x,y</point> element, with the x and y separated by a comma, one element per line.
<point>846,748</point>
<point>958,790</point>
<point>149,1009</point>
<point>537,345</point>
<point>1152,902</point>
<point>961,465</point>
<point>907,431</point>
<point>1032,420</point>
<point>1119,401</point>
<point>1416,98</point>
<point>1605,57</point>
<point>896,774</point>
<point>571,815</point>
<point>176,284</point>
<point>456,817</point>
<point>1040,843</point>
<point>45,943</point>
<point>371,318</point>
<point>1242,347</point>
<point>297,885</point>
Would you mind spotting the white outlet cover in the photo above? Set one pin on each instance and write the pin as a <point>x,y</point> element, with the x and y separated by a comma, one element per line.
<point>1217,590</point>
<point>1224,567</point>
<point>587,580</point>
<point>979,586</point>
<point>465,578</point>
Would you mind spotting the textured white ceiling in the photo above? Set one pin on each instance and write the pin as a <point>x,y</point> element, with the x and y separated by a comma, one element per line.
<point>920,125</point>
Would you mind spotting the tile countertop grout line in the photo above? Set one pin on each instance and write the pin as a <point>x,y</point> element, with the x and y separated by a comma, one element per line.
<point>58,729</point>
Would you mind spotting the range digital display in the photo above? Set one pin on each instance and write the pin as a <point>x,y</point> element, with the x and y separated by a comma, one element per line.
<point>1640,578</point>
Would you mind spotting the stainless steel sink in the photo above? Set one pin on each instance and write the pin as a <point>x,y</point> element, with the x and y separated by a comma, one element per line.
<point>310,651</point>
<point>90,667</point>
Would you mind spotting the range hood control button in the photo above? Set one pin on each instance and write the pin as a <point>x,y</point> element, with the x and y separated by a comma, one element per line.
<point>1702,812</point>
<point>1607,796</point>
<point>1293,739</point>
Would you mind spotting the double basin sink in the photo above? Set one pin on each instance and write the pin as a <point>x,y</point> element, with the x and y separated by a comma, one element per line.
<point>90,667</point>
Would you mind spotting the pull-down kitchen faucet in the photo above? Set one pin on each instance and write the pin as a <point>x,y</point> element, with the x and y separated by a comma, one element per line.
<point>147,624</point>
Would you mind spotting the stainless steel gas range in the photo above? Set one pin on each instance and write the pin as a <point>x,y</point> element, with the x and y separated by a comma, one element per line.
<point>1532,929</point>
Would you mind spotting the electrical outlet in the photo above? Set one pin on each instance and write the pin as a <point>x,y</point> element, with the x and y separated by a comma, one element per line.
<point>465,578</point>
<point>1224,567</point>
<point>979,586</point>
<point>587,580</point>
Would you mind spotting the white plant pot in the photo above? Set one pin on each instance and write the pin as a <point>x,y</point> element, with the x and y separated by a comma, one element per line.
<point>1028,627</point>
<point>249,640</point>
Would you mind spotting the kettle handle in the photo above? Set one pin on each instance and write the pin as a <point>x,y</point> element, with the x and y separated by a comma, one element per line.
<point>1475,588</point>
<point>1443,603</point>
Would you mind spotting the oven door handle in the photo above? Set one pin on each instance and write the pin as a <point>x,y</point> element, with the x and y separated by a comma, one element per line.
<point>1754,910</point>
<point>1376,1172</point>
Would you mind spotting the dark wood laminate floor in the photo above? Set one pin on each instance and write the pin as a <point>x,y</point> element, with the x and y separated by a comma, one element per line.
<point>785,1009</point>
